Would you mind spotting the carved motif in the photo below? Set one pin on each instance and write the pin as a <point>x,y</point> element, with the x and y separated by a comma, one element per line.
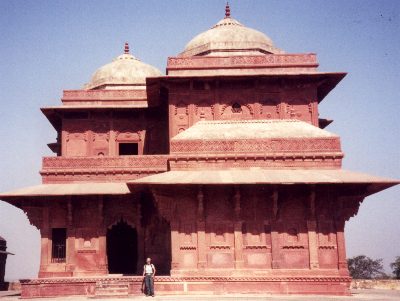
<point>273,60</point>
<point>260,145</point>
<point>96,95</point>
<point>235,110</point>
<point>204,111</point>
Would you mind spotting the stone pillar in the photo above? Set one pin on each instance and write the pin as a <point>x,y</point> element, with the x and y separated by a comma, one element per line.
<point>45,246</point>
<point>103,262</point>
<point>70,249</point>
<point>313,244</point>
<point>239,262</point>
<point>174,245</point>
<point>44,252</point>
<point>140,239</point>
<point>238,236</point>
<point>341,247</point>
<point>141,249</point>
<point>112,150</point>
<point>70,260</point>
<point>201,231</point>
<point>312,232</point>
<point>102,237</point>
<point>275,252</point>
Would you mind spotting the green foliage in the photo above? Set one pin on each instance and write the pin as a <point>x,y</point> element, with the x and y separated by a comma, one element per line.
<point>363,267</point>
<point>395,266</point>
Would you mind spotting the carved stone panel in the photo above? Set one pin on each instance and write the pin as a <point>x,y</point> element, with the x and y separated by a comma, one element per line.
<point>101,137</point>
<point>270,109</point>
<point>299,109</point>
<point>256,244</point>
<point>203,111</point>
<point>237,110</point>
<point>220,242</point>
<point>327,244</point>
<point>188,246</point>
<point>75,138</point>
<point>180,117</point>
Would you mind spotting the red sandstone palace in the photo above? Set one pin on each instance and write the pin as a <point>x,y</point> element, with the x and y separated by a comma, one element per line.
<point>221,171</point>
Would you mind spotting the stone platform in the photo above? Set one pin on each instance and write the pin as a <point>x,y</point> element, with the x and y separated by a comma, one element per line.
<point>124,286</point>
<point>356,295</point>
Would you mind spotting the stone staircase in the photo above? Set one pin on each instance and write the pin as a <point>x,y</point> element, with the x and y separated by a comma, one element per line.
<point>111,289</point>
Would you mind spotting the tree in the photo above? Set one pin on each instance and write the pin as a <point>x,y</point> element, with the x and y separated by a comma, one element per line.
<point>363,267</point>
<point>395,266</point>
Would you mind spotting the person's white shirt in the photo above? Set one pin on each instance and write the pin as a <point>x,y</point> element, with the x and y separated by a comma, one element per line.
<point>149,268</point>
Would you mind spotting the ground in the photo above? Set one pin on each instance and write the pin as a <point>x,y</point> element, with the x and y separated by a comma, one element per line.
<point>357,295</point>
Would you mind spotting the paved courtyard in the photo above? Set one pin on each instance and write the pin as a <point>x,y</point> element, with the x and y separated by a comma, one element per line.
<point>358,295</point>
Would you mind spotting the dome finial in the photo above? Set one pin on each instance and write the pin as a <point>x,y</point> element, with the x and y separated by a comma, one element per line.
<point>126,48</point>
<point>227,10</point>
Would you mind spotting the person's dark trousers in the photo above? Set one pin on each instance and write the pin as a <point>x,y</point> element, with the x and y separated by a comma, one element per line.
<point>149,285</point>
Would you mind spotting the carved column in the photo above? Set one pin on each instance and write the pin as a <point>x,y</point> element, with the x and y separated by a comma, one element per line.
<point>167,208</point>
<point>341,247</point>
<point>102,237</point>
<point>45,252</point>
<point>174,245</point>
<point>140,239</point>
<point>201,231</point>
<point>141,248</point>
<point>275,253</point>
<point>346,207</point>
<point>312,244</point>
<point>112,142</point>
<point>103,251</point>
<point>238,236</point>
<point>70,238</point>
<point>314,112</point>
<point>312,232</point>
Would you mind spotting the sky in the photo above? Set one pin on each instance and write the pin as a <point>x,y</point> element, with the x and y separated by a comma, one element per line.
<point>49,46</point>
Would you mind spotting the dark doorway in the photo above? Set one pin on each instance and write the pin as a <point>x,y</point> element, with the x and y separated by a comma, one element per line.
<point>122,249</point>
<point>128,149</point>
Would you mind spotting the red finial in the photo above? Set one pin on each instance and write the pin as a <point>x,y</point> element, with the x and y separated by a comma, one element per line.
<point>126,50</point>
<point>227,10</point>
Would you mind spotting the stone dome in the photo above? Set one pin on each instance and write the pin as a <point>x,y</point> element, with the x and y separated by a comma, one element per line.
<point>230,37</point>
<point>124,72</point>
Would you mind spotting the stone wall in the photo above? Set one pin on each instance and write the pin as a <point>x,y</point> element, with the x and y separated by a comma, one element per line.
<point>375,284</point>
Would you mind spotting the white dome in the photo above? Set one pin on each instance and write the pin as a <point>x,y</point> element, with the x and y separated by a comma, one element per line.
<point>230,37</point>
<point>124,71</point>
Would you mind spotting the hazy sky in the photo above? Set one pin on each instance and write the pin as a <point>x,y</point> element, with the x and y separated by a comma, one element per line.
<point>48,46</point>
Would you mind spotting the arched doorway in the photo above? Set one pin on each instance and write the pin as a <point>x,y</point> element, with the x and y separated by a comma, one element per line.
<point>122,248</point>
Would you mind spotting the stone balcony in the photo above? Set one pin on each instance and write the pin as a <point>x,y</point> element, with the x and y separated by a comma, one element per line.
<point>101,169</point>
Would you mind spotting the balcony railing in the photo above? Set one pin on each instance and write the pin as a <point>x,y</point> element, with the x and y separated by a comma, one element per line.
<point>66,169</point>
<point>255,61</point>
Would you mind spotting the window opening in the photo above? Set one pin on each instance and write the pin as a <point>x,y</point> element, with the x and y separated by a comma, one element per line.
<point>59,242</point>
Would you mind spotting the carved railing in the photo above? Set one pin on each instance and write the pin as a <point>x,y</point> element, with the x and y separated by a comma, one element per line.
<point>101,169</point>
<point>103,95</point>
<point>254,61</point>
<point>156,163</point>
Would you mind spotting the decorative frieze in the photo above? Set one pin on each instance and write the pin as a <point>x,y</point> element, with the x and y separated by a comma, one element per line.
<point>250,61</point>
<point>76,96</point>
<point>257,145</point>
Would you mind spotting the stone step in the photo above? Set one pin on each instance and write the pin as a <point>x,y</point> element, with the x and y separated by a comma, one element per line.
<point>111,289</point>
<point>112,285</point>
<point>108,296</point>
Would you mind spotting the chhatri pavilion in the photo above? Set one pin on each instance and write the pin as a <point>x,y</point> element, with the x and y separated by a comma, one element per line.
<point>221,171</point>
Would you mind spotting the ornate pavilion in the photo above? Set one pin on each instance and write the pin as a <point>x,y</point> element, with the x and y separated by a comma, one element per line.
<point>221,171</point>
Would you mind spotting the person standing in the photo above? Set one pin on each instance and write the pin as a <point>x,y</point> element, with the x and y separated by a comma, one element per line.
<point>149,271</point>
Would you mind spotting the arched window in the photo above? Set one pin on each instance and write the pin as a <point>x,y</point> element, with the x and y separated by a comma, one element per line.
<point>236,108</point>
